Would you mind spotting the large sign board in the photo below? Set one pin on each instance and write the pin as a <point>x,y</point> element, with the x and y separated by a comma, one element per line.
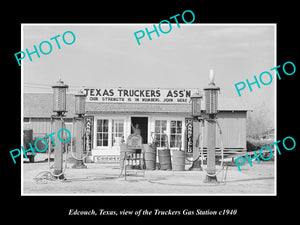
<point>137,95</point>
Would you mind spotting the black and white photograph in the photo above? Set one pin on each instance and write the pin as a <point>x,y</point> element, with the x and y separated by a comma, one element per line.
<point>178,114</point>
<point>149,112</point>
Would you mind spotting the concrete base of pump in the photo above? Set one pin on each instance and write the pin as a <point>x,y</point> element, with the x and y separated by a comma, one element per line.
<point>57,172</point>
<point>78,164</point>
<point>210,179</point>
<point>196,166</point>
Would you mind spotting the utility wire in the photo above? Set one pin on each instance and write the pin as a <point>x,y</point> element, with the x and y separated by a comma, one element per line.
<point>48,88</point>
<point>47,85</point>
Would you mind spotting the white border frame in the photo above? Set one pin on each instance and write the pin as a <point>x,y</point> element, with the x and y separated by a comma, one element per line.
<point>140,24</point>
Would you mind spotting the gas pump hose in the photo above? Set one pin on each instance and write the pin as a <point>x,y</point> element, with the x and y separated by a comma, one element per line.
<point>49,172</point>
<point>201,147</point>
<point>201,150</point>
<point>222,152</point>
<point>84,142</point>
<point>66,154</point>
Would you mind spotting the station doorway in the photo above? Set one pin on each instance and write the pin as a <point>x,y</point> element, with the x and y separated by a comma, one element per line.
<point>143,125</point>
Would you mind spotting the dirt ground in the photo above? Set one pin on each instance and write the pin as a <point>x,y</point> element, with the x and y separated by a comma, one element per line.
<point>103,179</point>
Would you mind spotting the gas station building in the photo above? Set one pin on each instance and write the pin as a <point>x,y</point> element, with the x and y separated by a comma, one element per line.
<point>111,113</point>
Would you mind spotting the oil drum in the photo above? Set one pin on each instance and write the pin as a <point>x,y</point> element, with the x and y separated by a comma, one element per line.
<point>164,157</point>
<point>178,160</point>
<point>149,156</point>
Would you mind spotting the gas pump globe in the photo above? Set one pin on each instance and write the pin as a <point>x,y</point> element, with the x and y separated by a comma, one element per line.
<point>196,104</point>
<point>80,103</point>
<point>59,97</point>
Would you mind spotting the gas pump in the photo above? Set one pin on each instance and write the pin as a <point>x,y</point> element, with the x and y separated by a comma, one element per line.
<point>79,127</point>
<point>57,123</point>
<point>199,118</point>
<point>198,124</point>
<point>211,110</point>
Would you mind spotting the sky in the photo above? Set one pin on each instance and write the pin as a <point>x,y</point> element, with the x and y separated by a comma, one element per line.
<point>108,56</point>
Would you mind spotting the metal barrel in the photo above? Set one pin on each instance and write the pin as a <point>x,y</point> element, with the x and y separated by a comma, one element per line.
<point>149,156</point>
<point>164,158</point>
<point>178,160</point>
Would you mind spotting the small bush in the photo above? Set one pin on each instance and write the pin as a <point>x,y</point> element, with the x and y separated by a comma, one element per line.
<point>254,144</point>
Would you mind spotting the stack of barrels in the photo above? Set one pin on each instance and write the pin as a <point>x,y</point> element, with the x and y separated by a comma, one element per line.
<point>166,162</point>
<point>150,156</point>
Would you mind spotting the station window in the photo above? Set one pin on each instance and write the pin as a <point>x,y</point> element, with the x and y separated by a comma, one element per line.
<point>175,134</point>
<point>160,136</point>
<point>102,132</point>
<point>117,132</point>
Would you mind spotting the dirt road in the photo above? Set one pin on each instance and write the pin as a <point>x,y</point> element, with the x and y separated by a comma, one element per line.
<point>103,179</point>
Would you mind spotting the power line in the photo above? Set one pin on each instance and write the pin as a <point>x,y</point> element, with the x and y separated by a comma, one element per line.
<point>37,87</point>
<point>38,84</point>
<point>48,88</point>
<point>48,85</point>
